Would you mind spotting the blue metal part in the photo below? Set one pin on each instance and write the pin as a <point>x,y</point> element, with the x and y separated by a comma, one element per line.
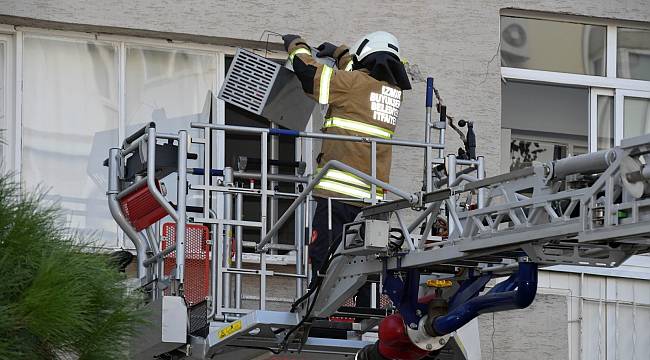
<point>403,291</point>
<point>516,292</point>
<point>394,287</point>
<point>469,289</point>
<point>429,92</point>
<point>285,132</point>
<point>201,171</point>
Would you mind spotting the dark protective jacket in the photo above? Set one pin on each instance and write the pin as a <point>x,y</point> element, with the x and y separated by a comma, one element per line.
<point>359,105</point>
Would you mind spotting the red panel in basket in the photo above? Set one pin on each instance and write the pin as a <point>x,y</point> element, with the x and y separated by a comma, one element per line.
<point>197,260</point>
<point>141,208</point>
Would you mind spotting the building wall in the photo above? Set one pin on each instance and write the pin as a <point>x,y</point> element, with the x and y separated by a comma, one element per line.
<point>456,42</point>
<point>538,332</point>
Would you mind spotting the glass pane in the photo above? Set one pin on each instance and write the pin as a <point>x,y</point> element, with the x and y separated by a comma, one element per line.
<point>605,126</point>
<point>636,116</point>
<point>553,46</point>
<point>169,87</point>
<point>633,54</point>
<point>553,121</point>
<point>70,120</point>
<point>523,152</point>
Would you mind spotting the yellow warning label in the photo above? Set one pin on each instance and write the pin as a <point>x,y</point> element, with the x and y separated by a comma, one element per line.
<point>439,283</point>
<point>230,329</point>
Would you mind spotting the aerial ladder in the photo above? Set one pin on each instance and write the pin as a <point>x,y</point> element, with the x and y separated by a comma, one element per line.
<point>430,253</point>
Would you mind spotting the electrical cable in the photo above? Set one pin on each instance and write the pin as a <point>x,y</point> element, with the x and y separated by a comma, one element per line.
<point>268,33</point>
<point>318,283</point>
<point>319,280</point>
<point>315,290</point>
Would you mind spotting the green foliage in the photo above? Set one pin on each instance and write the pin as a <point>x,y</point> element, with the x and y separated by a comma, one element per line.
<point>59,299</point>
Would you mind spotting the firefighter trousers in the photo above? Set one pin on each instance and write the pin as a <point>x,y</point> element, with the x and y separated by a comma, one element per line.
<point>322,239</point>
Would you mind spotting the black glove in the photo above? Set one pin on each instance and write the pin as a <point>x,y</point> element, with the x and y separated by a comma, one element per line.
<point>288,39</point>
<point>326,49</point>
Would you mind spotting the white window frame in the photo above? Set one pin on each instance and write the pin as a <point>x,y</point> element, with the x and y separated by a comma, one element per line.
<point>609,84</point>
<point>594,93</point>
<point>7,126</point>
<point>619,109</point>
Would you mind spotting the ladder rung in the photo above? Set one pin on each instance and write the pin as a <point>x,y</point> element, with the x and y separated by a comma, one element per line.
<point>253,244</point>
<point>228,222</point>
<point>270,259</point>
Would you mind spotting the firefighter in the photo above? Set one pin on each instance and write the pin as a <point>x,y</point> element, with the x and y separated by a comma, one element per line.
<point>363,92</point>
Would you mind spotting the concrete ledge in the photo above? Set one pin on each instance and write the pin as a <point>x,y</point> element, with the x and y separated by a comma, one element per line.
<point>173,36</point>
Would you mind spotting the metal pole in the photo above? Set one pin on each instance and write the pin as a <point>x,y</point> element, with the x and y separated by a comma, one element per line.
<point>428,123</point>
<point>308,230</point>
<point>276,178</point>
<point>441,141</point>
<point>219,255</point>
<point>299,236</point>
<point>213,271</point>
<point>207,177</point>
<point>227,210</point>
<point>181,201</point>
<point>480,176</point>
<point>451,178</point>
<point>239,233</point>
<point>153,245</point>
<point>304,134</point>
<point>330,234</point>
<point>373,171</point>
<point>422,217</point>
<point>264,187</point>
<point>214,259</point>
<point>118,215</point>
<point>151,171</point>
<point>275,155</point>
<point>151,174</point>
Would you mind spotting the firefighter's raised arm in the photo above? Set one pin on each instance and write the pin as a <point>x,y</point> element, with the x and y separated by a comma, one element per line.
<point>325,84</point>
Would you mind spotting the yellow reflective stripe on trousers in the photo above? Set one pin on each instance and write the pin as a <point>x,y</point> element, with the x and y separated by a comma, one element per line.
<point>299,51</point>
<point>345,189</point>
<point>358,126</point>
<point>325,77</point>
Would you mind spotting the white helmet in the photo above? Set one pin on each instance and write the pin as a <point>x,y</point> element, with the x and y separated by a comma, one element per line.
<point>375,42</point>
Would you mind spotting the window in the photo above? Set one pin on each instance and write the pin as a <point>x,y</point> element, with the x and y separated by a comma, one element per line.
<point>633,54</point>
<point>636,116</point>
<point>592,75</point>
<point>605,121</point>
<point>553,46</point>
<point>546,122</point>
<point>168,86</point>
<point>69,107</point>
<point>81,95</point>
